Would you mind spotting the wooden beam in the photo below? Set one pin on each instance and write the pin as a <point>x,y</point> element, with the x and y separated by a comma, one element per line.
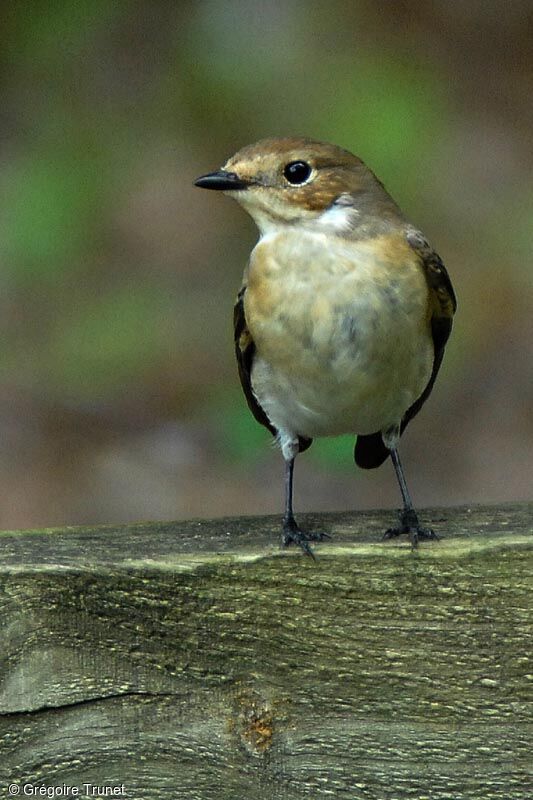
<point>197,660</point>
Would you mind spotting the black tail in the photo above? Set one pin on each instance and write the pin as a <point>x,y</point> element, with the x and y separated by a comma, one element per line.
<point>370,452</point>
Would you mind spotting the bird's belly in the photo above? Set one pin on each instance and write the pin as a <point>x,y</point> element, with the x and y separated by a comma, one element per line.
<point>350,356</point>
<point>330,407</point>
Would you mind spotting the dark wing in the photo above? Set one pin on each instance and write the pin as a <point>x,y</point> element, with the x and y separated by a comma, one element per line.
<point>370,451</point>
<point>245,352</point>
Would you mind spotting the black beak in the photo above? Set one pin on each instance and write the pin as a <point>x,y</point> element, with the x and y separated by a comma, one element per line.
<point>223,181</point>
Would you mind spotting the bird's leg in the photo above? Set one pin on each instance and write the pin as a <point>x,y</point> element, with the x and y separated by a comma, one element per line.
<point>408,517</point>
<point>291,531</point>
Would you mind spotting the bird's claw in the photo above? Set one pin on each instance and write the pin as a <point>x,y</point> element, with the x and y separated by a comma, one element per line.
<point>410,525</point>
<point>293,534</point>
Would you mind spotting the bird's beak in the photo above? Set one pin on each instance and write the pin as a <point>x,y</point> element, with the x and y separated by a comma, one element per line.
<point>222,180</point>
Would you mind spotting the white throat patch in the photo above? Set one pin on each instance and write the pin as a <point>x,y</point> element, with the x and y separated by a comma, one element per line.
<point>337,218</point>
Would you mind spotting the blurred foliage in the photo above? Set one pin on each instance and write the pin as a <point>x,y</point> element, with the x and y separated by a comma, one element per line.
<point>118,277</point>
<point>100,349</point>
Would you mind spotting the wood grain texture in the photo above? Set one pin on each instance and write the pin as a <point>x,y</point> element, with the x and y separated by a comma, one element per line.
<point>196,660</point>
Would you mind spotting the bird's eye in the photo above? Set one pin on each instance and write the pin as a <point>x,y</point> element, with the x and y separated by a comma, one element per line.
<point>297,172</point>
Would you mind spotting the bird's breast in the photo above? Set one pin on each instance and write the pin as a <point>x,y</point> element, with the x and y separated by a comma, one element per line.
<point>341,331</point>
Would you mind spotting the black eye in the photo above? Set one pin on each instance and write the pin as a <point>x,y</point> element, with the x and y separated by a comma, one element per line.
<point>297,172</point>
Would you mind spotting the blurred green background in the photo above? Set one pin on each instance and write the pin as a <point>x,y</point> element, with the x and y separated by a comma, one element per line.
<point>119,398</point>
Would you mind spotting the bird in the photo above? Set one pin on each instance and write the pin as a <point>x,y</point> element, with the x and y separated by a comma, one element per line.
<point>344,311</point>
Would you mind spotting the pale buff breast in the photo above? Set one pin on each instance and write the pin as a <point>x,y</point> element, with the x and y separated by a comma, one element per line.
<point>341,330</point>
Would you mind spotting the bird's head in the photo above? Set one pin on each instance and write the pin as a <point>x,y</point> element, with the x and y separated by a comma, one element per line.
<point>297,180</point>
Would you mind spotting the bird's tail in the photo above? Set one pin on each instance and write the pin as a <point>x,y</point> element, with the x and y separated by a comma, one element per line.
<point>369,451</point>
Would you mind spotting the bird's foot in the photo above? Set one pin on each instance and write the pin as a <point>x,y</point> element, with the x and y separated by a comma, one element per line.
<point>410,525</point>
<point>293,534</point>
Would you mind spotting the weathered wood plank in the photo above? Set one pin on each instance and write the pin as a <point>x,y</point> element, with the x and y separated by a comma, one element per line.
<point>196,660</point>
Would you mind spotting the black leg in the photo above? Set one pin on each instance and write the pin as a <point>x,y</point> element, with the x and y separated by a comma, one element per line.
<point>289,478</point>
<point>408,517</point>
<point>291,532</point>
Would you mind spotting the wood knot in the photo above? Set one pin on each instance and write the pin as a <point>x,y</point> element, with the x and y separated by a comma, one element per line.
<point>254,722</point>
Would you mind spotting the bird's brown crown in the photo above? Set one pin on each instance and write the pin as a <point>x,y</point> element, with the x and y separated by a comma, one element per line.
<point>331,170</point>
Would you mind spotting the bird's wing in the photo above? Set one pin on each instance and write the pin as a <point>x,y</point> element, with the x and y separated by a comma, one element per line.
<point>370,450</point>
<point>245,353</point>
